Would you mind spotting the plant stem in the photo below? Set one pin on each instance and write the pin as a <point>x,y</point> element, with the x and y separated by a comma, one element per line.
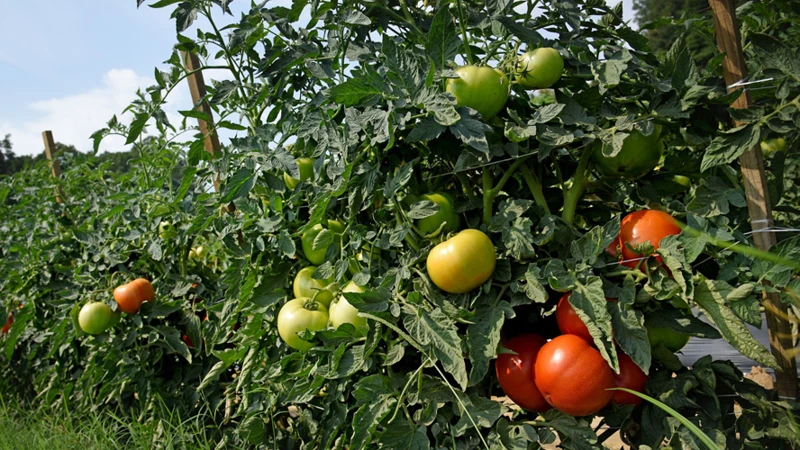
<point>462,25</point>
<point>578,185</point>
<point>535,186</point>
<point>489,192</point>
<point>462,177</point>
<point>743,249</point>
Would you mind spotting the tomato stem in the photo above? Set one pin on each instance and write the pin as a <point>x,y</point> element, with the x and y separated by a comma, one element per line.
<point>578,185</point>
<point>465,186</point>
<point>535,186</point>
<point>489,192</point>
<point>462,25</point>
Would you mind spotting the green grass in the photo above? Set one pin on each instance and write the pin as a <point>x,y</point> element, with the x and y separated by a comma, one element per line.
<point>24,428</point>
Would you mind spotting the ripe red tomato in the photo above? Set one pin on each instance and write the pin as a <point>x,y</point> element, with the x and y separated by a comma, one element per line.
<point>644,226</point>
<point>515,372</point>
<point>130,296</point>
<point>573,376</point>
<point>187,340</point>
<point>8,324</point>
<point>568,320</point>
<point>630,377</point>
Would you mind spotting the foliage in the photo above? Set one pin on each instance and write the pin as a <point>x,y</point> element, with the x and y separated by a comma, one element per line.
<point>358,87</point>
<point>11,163</point>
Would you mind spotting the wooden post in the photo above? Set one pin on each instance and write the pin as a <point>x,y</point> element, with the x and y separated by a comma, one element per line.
<point>55,166</point>
<point>197,87</point>
<point>734,69</point>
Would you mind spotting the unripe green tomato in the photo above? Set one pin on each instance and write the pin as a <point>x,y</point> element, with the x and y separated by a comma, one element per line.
<point>198,252</point>
<point>671,339</point>
<point>682,180</point>
<point>463,262</point>
<point>317,256</point>
<point>540,68</point>
<point>446,213</point>
<point>483,89</point>
<point>368,256</point>
<point>298,315</point>
<point>639,155</point>
<point>167,231</point>
<point>94,317</point>
<point>341,311</point>
<point>306,167</point>
<point>306,286</point>
<point>773,145</point>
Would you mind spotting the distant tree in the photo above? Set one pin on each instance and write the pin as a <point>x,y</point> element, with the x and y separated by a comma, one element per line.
<point>11,163</point>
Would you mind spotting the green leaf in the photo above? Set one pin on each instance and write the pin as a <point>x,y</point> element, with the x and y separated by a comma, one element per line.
<point>714,297</point>
<point>422,209</point>
<point>575,434</point>
<point>185,14</point>
<point>589,302</point>
<point>471,131</point>
<point>357,90</point>
<point>401,434</point>
<point>135,130</point>
<point>483,336</point>
<point>239,185</point>
<point>477,411</point>
<point>628,326</point>
<point>443,41</point>
<point>730,145</point>
<point>438,332</point>
<point>367,418</point>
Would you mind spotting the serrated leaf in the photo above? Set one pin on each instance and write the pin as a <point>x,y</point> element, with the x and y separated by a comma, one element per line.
<point>422,209</point>
<point>483,337</point>
<point>730,145</point>
<point>239,185</point>
<point>438,332</point>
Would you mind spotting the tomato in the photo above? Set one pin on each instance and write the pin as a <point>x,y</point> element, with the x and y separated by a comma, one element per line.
<point>94,317</point>
<point>317,257</point>
<point>446,214</point>
<point>641,227</point>
<point>568,320</point>
<point>539,68</point>
<point>167,231</point>
<point>306,286</point>
<point>639,155</point>
<point>573,376</point>
<point>198,252</point>
<point>187,340</point>
<point>630,377</point>
<point>130,296</point>
<point>515,372</point>
<point>341,311</point>
<point>682,180</point>
<point>669,338</point>
<point>773,145</point>
<point>8,324</point>
<point>306,167</point>
<point>463,262</point>
<point>483,89</point>
<point>298,315</point>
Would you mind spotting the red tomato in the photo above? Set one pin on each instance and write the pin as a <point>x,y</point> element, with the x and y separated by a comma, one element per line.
<point>515,372</point>
<point>8,324</point>
<point>573,376</point>
<point>130,296</point>
<point>187,340</point>
<point>630,377</point>
<point>644,226</point>
<point>568,320</point>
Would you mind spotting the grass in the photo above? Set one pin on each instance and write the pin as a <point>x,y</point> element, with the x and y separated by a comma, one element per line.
<point>23,428</point>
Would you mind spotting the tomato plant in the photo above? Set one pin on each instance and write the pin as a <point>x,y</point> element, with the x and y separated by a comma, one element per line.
<point>771,146</point>
<point>129,297</point>
<point>463,262</point>
<point>167,231</point>
<point>94,317</point>
<point>341,311</point>
<point>315,251</point>
<point>572,376</point>
<point>515,372</point>
<point>297,316</point>
<point>483,89</point>
<point>673,340</point>
<point>306,286</point>
<point>540,68</point>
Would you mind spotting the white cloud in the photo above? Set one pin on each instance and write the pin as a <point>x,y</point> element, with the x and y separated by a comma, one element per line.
<point>73,118</point>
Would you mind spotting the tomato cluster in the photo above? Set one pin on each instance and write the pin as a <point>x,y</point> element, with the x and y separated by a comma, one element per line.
<point>97,317</point>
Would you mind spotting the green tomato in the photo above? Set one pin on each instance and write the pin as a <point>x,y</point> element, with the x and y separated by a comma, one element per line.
<point>540,68</point>
<point>773,145</point>
<point>446,213</point>
<point>317,256</point>
<point>342,311</point>
<point>306,167</point>
<point>297,316</point>
<point>94,317</point>
<point>671,339</point>
<point>167,231</point>
<point>306,286</point>
<point>198,252</point>
<point>483,89</point>
<point>639,155</point>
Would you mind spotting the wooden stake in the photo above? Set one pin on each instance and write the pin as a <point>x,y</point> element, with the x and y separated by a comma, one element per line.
<point>55,166</point>
<point>734,69</point>
<point>197,87</point>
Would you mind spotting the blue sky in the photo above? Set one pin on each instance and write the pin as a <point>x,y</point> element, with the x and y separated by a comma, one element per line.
<point>68,66</point>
